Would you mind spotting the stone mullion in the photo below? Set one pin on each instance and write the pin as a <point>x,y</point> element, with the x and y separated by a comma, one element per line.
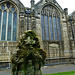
<point>49,26</point>
<point>49,34</point>
<point>1,22</point>
<point>12,28</point>
<point>7,25</point>
<point>57,28</point>
<point>53,27</point>
<point>44,25</point>
<point>1,27</point>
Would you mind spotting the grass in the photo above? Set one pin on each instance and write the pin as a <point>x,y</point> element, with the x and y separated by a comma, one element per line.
<point>63,73</point>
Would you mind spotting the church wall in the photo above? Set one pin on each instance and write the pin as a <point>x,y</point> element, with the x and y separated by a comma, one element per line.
<point>65,37</point>
<point>64,45</point>
<point>7,48</point>
<point>57,51</point>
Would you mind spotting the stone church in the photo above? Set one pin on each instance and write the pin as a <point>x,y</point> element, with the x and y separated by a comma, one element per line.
<point>52,24</point>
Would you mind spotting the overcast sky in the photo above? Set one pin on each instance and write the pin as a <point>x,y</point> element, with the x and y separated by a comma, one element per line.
<point>70,4</point>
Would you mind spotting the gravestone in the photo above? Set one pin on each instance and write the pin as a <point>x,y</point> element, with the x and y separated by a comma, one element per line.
<point>29,57</point>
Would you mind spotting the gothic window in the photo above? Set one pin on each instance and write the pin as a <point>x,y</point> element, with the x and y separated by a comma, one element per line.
<point>50,23</point>
<point>8,22</point>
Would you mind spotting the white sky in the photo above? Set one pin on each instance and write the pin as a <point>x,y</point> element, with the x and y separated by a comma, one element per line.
<point>70,4</point>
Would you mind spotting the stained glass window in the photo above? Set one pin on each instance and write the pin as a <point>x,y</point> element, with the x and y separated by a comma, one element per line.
<point>42,24</point>
<point>8,22</point>
<point>50,23</point>
<point>14,26</point>
<point>4,26</point>
<point>59,28</point>
<point>55,28</point>
<point>9,26</point>
<point>46,28</point>
<point>51,28</point>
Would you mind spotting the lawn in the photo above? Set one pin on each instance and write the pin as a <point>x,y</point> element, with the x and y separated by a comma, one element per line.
<point>63,73</point>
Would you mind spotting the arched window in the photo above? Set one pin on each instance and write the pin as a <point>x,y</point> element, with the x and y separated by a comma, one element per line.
<point>50,23</point>
<point>8,22</point>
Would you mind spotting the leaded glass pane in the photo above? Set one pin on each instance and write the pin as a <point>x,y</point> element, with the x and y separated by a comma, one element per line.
<point>55,28</point>
<point>43,27</point>
<point>9,26</point>
<point>46,28</point>
<point>13,9</point>
<point>59,28</point>
<point>2,7</point>
<point>8,5</point>
<point>14,26</point>
<point>4,26</point>
<point>51,28</point>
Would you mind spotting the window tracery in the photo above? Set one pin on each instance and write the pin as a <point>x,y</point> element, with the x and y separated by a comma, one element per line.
<point>8,22</point>
<point>50,23</point>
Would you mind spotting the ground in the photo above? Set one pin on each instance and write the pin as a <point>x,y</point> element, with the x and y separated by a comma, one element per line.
<point>58,68</point>
<point>48,69</point>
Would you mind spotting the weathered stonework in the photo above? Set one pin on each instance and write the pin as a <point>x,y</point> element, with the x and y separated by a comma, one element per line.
<point>31,18</point>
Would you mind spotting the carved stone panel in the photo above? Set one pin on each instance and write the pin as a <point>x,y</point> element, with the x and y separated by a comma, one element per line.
<point>53,50</point>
